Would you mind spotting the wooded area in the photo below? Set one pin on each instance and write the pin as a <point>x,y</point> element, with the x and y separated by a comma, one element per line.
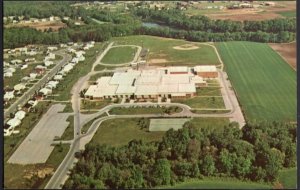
<point>257,153</point>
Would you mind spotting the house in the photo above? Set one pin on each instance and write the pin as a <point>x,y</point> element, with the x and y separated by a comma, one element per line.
<point>206,71</point>
<point>43,20</point>
<point>20,115</point>
<point>31,53</point>
<point>9,95</point>
<point>52,84</point>
<point>14,122</point>
<point>5,64</point>
<point>50,56</point>
<point>79,53</point>
<point>77,23</point>
<point>66,18</point>
<point>30,59</point>
<point>51,18</point>
<point>16,61</point>
<point>8,74</point>
<point>62,45</point>
<point>24,67</point>
<point>40,69</point>
<point>68,68</point>
<point>52,48</point>
<point>11,69</point>
<point>33,102</point>
<point>25,79</point>
<point>75,60</point>
<point>270,3</point>
<point>33,76</point>
<point>81,58</point>
<point>45,91</point>
<point>19,87</point>
<point>58,77</point>
<point>48,63</point>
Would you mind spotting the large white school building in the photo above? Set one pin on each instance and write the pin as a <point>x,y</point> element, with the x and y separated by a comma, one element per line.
<point>170,82</point>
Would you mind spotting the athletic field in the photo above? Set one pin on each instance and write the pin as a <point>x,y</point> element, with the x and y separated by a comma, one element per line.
<point>119,55</point>
<point>264,82</point>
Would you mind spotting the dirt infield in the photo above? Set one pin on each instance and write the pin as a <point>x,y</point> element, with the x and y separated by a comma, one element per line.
<point>186,47</point>
<point>55,25</point>
<point>287,51</point>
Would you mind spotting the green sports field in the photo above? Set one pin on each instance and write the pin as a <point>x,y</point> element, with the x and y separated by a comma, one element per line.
<point>161,51</point>
<point>264,82</point>
<point>119,55</point>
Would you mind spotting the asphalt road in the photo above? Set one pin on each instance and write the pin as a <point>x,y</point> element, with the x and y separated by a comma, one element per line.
<point>31,91</point>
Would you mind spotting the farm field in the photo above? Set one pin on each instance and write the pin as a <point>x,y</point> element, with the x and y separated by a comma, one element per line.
<point>288,51</point>
<point>119,55</point>
<point>162,52</point>
<point>208,183</point>
<point>288,13</point>
<point>288,178</point>
<point>264,82</point>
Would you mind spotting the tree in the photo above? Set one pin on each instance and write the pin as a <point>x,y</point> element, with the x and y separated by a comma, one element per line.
<point>208,165</point>
<point>162,172</point>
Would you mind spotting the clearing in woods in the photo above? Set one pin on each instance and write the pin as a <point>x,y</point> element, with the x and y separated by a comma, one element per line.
<point>264,82</point>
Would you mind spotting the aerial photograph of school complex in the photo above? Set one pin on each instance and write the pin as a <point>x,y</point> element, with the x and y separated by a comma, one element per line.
<point>149,95</point>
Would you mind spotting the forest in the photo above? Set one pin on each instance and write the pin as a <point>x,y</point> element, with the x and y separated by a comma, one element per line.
<point>179,25</point>
<point>256,153</point>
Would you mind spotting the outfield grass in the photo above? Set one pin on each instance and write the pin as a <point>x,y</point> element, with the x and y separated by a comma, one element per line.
<point>119,55</point>
<point>288,13</point>
<point>264,82</point>
<point>218,183</point>
<point>98,75</point>
<point>288,178</point>
<point>143,110</point>
<point>162,48</point>
<point>117,132</point>
<point>14,173</point>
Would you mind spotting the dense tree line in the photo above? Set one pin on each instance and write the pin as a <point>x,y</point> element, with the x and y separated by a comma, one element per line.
<point>257,153</point>
<point>41,9</point>
<point>200,36</point>
<point>177,19</point>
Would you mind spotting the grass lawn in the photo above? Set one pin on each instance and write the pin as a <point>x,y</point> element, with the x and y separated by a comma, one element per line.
<point>119,55</point>
<point>143,110</point>
<point>99,67</point>
<point>14,173</point>
<point>210,91</point>
<point>218,183</point>
<point>209,122</point>
<point>210,111</point>
<point>79,70</point>
<point>87,104</point>
<point>202,102</point>
<point>117,132</point>
<point>264,82</point>
<point>98,75</point>
<point>69,132</point>
<point>162,49</point>
<point>12,142</point>
<point>288,178</point>
<point>288,13</point>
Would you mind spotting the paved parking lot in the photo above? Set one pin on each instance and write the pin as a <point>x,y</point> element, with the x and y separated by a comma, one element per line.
<point>36,148</point>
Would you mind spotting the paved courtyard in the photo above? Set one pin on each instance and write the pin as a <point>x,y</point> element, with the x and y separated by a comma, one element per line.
<point>36,148</point>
